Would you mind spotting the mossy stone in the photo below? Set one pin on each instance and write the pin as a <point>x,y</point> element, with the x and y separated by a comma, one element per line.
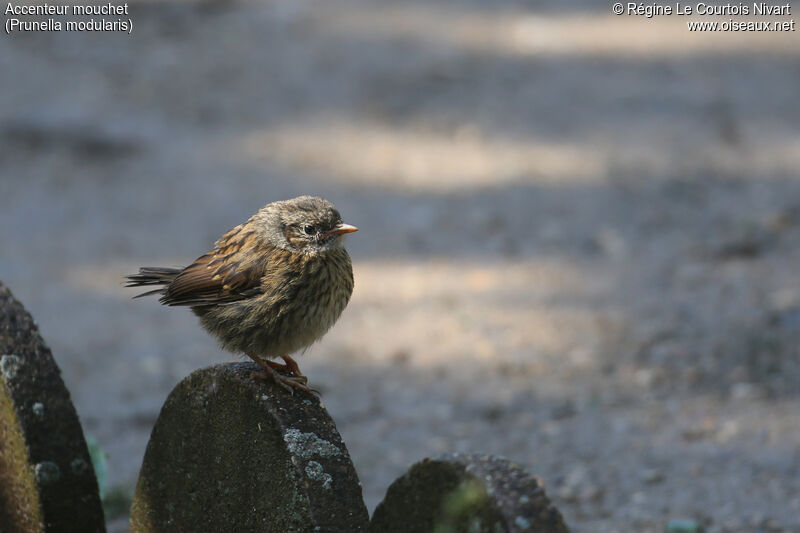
<point>467,493</point>
<point>233,453</point>
<point>41,439</point>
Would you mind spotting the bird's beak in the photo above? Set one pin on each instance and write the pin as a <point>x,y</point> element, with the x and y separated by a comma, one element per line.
<point>340,229</point>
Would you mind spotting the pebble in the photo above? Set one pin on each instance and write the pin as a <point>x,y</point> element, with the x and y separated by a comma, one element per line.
<point>651,476</point>
<point>684,526</point>
<point>744,391</point>
<point>568,494</point>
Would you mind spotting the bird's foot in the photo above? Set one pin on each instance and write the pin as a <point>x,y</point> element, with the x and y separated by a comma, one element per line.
<point>289,383</point>
<point>291,366</point>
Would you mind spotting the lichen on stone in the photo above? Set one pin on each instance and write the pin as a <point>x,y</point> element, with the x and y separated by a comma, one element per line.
<point>47,473</point>
<point>79,466</point>
<point>9,365</point>
<point>306,445</point>
<point>315,472</point>
<point>522,522</point>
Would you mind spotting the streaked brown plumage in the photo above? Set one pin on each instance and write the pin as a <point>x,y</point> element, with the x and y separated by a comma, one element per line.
<point>270,287</point>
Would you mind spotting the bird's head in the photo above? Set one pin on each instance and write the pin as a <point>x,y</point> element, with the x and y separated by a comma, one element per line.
<point>304,224</point>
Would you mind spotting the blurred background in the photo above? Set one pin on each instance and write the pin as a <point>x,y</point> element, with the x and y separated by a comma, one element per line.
<point>578,241</point>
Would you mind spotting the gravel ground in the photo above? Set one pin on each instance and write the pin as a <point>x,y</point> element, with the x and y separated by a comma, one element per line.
<point>578,233</point>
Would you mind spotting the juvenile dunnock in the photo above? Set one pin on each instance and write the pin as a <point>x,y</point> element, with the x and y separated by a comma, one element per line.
<point>270,287</point>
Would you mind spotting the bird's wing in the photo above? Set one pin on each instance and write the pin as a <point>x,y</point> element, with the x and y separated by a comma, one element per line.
<point>232,271</point>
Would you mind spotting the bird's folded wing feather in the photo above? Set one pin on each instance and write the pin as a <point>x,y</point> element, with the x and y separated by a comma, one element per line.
<point>231,272</point>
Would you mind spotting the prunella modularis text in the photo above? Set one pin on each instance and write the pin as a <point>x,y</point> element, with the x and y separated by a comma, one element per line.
<point>270,287</point>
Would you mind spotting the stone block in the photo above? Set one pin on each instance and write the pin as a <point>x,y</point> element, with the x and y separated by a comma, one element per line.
<point>467,493</point>
<point>232,453</point>
<point>47,483</point>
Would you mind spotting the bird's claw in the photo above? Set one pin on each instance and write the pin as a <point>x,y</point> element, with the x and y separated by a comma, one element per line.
<point>288,383</point>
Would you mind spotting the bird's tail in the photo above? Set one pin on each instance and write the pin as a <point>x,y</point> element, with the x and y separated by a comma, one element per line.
<point>149,276</point>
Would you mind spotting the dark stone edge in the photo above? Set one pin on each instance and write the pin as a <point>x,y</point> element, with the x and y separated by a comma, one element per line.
<point>57,453</point>
<point>296,414</point>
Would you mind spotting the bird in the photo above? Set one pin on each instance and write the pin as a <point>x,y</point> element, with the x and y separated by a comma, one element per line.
<point>270,287</point>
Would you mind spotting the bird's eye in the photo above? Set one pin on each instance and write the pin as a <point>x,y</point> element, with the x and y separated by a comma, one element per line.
<point>309,230</point>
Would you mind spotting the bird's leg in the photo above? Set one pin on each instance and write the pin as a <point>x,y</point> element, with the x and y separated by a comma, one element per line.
<point>271,373</point>
<point>291,366</point>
